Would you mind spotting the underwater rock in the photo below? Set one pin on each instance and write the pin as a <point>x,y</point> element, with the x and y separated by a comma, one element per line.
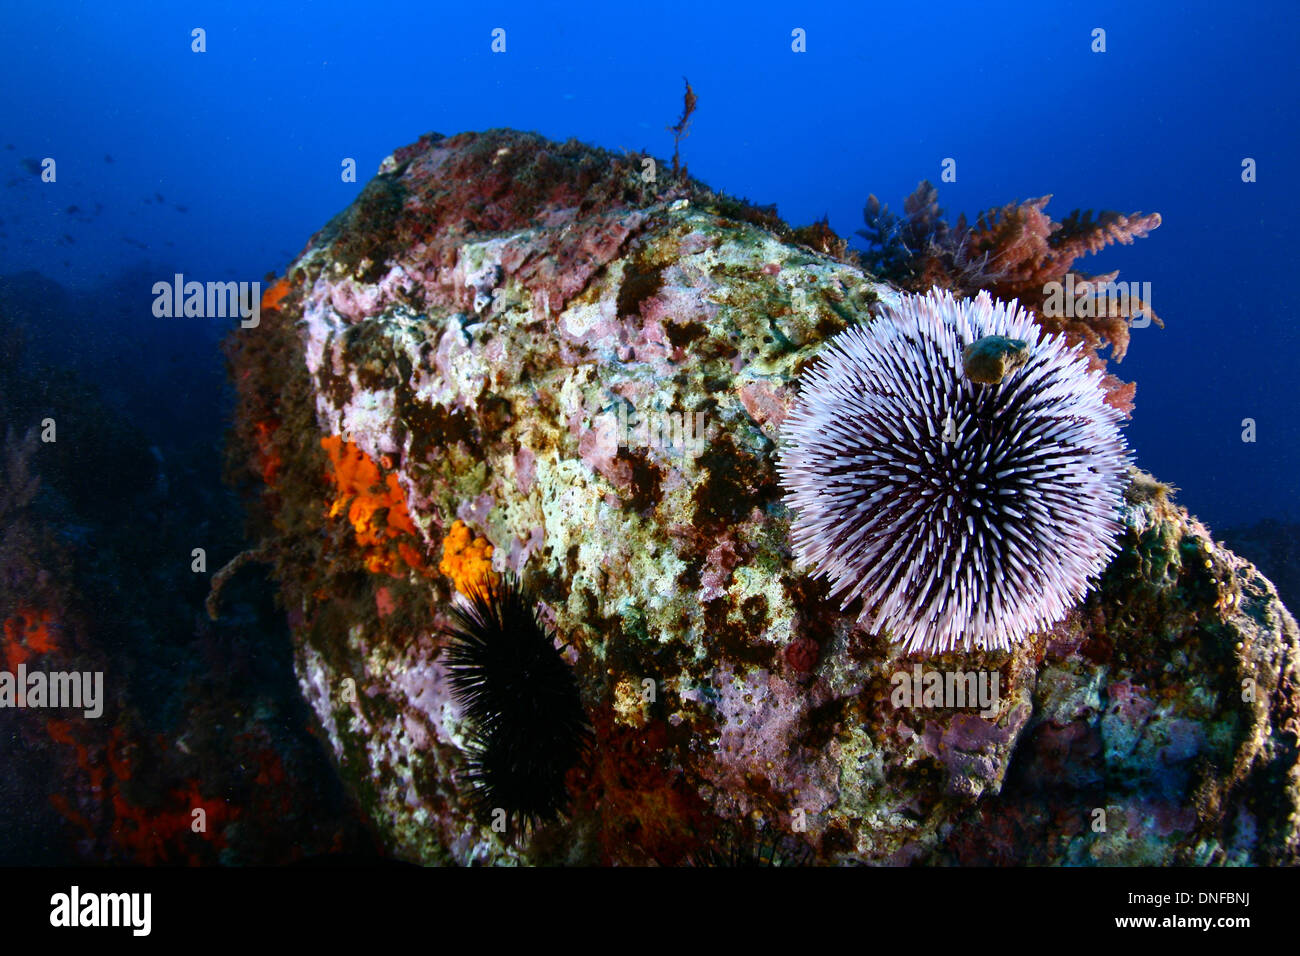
<point>583,373</point>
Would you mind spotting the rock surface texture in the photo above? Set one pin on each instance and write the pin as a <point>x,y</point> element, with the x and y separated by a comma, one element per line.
<point>588,370</point>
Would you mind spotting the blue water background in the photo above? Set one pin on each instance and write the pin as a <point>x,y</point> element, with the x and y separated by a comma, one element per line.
<point>249,138</point>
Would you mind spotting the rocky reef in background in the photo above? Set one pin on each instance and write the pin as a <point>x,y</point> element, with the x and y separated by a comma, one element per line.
<point>99,516</point>
<point>535,354</point>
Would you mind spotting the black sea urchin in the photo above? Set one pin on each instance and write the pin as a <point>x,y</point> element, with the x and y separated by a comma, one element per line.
<point>522,700</point>
<point>963,514</point>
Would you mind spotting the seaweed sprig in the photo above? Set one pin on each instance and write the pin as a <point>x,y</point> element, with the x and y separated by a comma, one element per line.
<point>680,130</point>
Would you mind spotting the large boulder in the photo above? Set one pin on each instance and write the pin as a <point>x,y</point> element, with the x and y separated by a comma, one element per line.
<point>587,367</point>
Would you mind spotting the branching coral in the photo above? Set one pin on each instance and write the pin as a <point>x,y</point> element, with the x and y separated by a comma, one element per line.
<point>898,249</point>
<point>1015,252</point>
<point>1027,252</point>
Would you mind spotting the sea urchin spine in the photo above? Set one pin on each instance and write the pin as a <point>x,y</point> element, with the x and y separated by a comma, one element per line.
<point>522,700</point>
<point>963,514</point>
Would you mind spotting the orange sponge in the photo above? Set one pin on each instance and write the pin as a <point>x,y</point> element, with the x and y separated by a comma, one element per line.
<point>27,633</point>
<point>375,507</point>
<point>467,562</point>
<point>272,296</point>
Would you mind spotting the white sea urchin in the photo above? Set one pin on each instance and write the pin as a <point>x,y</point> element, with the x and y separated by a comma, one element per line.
<point>963,514</point>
